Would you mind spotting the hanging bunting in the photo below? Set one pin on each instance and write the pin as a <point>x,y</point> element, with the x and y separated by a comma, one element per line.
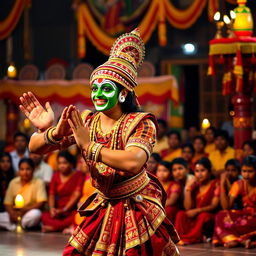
<point>10,22</point>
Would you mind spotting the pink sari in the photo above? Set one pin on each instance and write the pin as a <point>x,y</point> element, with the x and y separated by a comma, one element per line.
<point>237,225</point>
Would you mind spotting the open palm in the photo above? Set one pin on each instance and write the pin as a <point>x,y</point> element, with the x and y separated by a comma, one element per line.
<point>42,118</point>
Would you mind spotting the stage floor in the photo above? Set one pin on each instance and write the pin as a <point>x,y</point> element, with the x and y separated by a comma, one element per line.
<point>52,244</point>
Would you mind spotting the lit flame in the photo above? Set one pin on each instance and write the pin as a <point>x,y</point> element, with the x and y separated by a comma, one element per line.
<point>232,14</point>
<point>19,201</point>
<point>206,124</point>
<point>11,71</point>
<point>226,19</point>
<point>216,16</point>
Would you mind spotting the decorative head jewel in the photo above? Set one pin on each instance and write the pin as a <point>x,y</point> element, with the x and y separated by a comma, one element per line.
<point>126,56</point>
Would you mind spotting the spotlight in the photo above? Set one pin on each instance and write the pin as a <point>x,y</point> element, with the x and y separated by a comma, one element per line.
<point>189,49</point>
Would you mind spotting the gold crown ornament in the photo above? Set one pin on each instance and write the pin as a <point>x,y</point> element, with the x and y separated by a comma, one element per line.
<point>126,55</point>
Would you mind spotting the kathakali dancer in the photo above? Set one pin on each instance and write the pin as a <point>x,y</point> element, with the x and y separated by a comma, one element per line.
<point>126,214</point>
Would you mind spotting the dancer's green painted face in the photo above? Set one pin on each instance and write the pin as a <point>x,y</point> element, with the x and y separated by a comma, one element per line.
<point>104,94</point>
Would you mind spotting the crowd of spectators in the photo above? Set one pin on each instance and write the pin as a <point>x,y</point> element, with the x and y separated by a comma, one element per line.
<point>202,175</point>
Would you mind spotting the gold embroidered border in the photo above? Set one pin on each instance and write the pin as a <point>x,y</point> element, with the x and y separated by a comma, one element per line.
<point>132,186</point>
<point>146,146</point>
<point>78,239</point>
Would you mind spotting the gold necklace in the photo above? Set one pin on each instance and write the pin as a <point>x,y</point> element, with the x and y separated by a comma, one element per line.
<point>95,126</point>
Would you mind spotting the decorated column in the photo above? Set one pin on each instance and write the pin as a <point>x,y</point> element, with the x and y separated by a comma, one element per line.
<point>237,54</point>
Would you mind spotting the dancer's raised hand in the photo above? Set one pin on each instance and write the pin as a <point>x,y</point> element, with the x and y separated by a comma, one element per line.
<point>63,127</point>
<point>81,132</point>
<point>42,118</point>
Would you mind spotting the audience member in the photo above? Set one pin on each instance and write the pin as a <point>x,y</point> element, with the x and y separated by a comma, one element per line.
<point>209,136</point>
<point>200,203</point>
<point>162,141</point>
<point>6,175</point>
<point>187,154</point>
<point>199,144</point>
<point>88,190</point>
<point>172,188</point>
<point>20,141</point>
<point>64,192</point>
<point>222,153</point>
<point>249,148</point>
<point>42,171</point>
<point>33,193</point>
<point>174,148</point>
<point>193,131</point>
<point>180,172</point>
<point>153,162</point>
<point>227,178</point>
<point>235,227</point>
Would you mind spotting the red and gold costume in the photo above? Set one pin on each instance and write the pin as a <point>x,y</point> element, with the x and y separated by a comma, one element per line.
<point>237,225</point>
<point>126,214</point>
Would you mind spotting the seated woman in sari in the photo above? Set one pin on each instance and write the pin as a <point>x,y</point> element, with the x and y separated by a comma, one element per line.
<point>187,154</point>
<point>238,227</point>
<point>201,200</point>
<point>171,187</point>
<point>127,216</point>
<point>180,172</point>
<point>64,193</point>
<point>227,178</point>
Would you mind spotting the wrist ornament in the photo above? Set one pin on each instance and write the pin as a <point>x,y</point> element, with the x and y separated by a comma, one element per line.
<point>93,150</point>
<point>48,137</point>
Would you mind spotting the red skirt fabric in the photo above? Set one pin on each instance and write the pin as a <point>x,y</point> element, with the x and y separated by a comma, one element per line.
<point>136,225</point>
<point>192,230</point>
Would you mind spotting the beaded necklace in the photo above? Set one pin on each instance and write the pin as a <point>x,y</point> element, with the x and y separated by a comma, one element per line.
<point>95,127</point>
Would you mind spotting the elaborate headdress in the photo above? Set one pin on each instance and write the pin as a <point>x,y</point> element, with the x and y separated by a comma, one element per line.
<point>126,56</point>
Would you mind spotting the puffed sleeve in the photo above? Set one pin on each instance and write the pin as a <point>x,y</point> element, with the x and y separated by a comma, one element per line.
<point>144,136</point>
<point>234,190</point>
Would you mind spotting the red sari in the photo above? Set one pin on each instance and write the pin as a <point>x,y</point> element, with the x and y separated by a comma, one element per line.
<point>171,210</point>
<point>126,214</point>
<point>191,230</point>
<point>237,225</point>
<point>62,193</point>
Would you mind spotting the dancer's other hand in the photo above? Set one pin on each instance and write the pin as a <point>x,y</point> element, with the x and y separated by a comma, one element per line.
<point>42,118</point>
<point>63,127</point>
<point>81,132</point>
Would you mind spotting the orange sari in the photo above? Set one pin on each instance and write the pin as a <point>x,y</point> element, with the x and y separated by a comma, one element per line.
<point>237,225</point>
<point>191,230</point>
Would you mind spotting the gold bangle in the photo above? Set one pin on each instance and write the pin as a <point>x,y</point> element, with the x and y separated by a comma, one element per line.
<point>46,137</point>
<point>56,141</point>
<point>94,150</point>
<point>88,151</point>
<point>98,149</point>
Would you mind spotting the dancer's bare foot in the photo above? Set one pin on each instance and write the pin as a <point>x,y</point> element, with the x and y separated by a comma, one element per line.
<point>248,244</point>
<point>68,231</point>
<point>181,243</point>
<point>46,229</point>
<point>231,244</point>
